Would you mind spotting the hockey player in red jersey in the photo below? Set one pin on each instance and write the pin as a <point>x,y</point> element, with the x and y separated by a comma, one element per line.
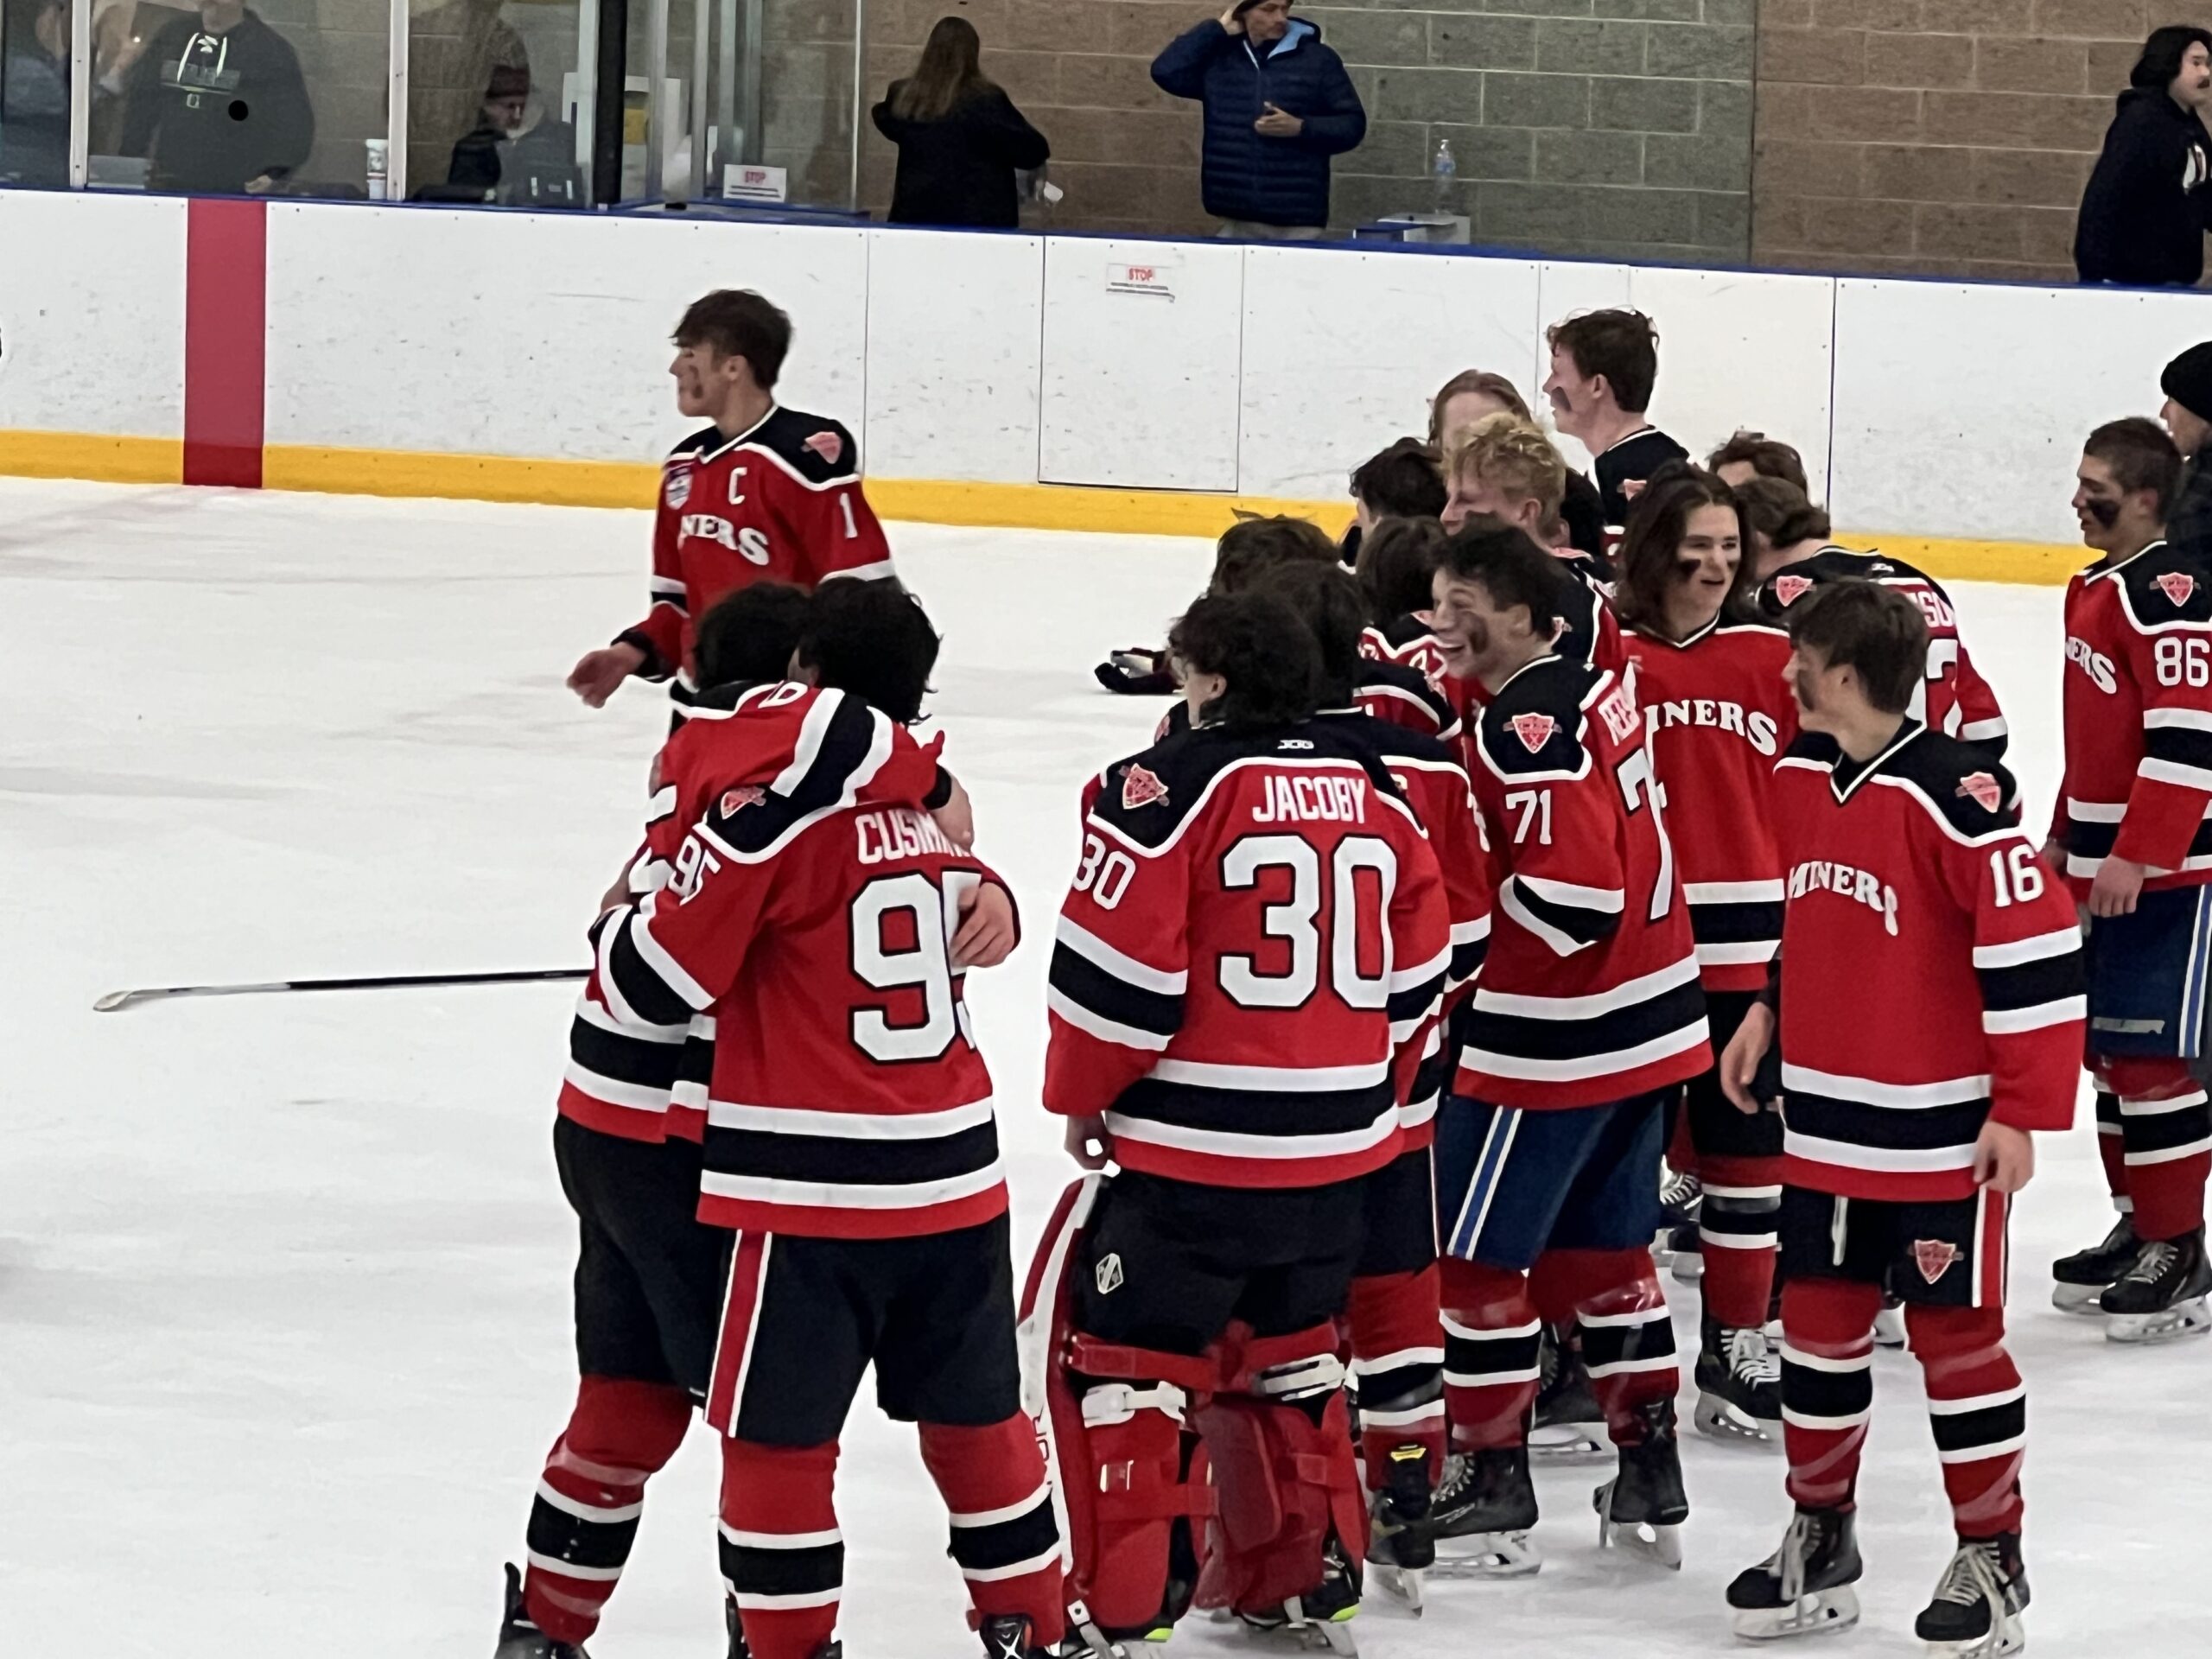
<point>1956,701</point>
<point>1396,569</point>
<point>851,1145</point>
<point>650,1277</point>
<point>1393,1315</point>
<point>1248,966</point>
<point>1930,1018</point>
<point>1711,687</point>
<point>1246,548</point>
<point>1586,1015</point>
<point>2132,836</point>
<point>766,493</point>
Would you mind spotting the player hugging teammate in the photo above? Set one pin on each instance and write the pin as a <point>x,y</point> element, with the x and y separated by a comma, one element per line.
<point>1455,891</point>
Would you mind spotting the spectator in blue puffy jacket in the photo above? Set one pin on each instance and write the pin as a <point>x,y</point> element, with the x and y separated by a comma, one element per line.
<point>1278,105</point>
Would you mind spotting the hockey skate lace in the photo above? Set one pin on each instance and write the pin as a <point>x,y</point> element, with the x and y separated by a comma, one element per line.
<point>1751,1359</point>
<point>1972,1576</point>
<point>1679,1189</point>
<point>2151,1265</point>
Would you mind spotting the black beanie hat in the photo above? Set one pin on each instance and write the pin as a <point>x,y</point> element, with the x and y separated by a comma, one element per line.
<point>2188,380</point>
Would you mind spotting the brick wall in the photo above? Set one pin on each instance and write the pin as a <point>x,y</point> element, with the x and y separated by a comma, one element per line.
<point>1942,137</point>
<point>1616,127</point>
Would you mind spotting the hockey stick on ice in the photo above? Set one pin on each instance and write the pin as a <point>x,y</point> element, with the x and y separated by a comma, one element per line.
<point>115,1001</point>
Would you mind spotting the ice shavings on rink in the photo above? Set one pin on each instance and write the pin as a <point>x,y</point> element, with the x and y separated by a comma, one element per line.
<point>283,1282</point>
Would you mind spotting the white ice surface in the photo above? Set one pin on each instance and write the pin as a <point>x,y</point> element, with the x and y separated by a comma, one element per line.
<point>283,1282</point>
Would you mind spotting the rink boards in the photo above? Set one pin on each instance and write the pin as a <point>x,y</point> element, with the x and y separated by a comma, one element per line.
<point>1043,382</point>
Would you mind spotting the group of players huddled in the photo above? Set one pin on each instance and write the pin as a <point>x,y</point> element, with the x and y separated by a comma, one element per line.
<point>1541,838</point>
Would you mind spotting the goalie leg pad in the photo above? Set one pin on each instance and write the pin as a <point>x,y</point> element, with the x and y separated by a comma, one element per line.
<point>1280,1442</point>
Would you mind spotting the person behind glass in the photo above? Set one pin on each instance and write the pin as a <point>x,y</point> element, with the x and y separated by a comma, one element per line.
<point>34,95</point>
<point>1471,397</point>
<point>478,159</point>
<point>2149,201</point>
<point>1278,105</point>
<point>218,105</point>
<point>960,139</point>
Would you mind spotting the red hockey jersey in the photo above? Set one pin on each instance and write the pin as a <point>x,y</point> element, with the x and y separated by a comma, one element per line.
<point>1956,701</point>
<point>1409,641</point>
<point>2139,720</point>
<point>1398,696</point>
<point>1719,716</point>
<point>1249,960</point>
<point>848,1099</point>
<point>1589,991</point>
<point>1931,968</point>
<point>780,502</point>
<point>812,748</point>
<point>1429,775</point>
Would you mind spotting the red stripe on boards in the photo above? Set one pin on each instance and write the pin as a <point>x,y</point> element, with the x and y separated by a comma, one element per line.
<point>225,334</point>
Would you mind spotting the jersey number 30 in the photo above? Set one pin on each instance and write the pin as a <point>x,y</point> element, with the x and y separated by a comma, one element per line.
<point>1359,905</point>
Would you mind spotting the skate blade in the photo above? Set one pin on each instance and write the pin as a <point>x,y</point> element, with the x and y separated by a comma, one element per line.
<point>2190,1319</point>
<point>1402,1583</point>
<point>1565,1445</point>
<point>2077,1298</point>
<point>1724,1420</point>
<point>1643,1539</point>
<point>1822,1614</point>
<point>1487,1555</point>
<point>2005,1638</point>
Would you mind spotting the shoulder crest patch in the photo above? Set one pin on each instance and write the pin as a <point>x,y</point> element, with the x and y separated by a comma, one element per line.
<point>1141,788</point>
<point>1983,789</point>
<point>677,488</point>
<point>2177,586</point>
<point>827,445</point>
<point>1789,589</point>
<point>1534,730</point>
<point>736,800</point>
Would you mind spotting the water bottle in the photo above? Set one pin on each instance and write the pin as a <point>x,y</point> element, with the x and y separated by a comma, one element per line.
<point>1443,170</point>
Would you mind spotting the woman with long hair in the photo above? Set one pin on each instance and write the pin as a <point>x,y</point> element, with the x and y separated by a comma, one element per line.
<point>960,139</point>
<point>1710,685</point>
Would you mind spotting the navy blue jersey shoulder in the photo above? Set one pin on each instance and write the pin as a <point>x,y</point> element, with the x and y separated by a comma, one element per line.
<point>1411,682</point>
<point>1146,797</point>
<point>706,438</point>
<point>1401,630</point>
<point>818,449</point>
<point>1833,564</point>
<point>2165,583</point>
<point>1534,723</point>
<point>1973,793</point>
<point>1386,739</point>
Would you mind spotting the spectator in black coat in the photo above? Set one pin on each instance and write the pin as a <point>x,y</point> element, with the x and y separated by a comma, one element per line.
<point>218,105</point>
<point>961,141</point>
<point>1278,105</point>
<point>2187,384</point>
<point>2149,200</point>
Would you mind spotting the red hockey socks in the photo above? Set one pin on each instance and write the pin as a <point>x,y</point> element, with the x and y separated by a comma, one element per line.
<point>1397,1346</point>
<point>1004,1538</point>
<point>1827,1385</point>
<point>2111,1150</point>
<point>1979,1411</point>
<point>783,1557</point>
<point>1628,1341</point>
<point>2165,1128</point>
<point>618,1436</point>
<point>1490,1338</point>
<point>1736,1224</point>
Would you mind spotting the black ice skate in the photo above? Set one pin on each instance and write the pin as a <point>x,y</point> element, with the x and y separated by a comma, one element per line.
<point>1006,1636</point>
<point>1681,1197</point>
<point>1480,1517</point>
<point>1399,1546</point>
<point>2162,1294</point>
<point>519,1638</point>
<point>739,1650</point>
<point>1976,1612</point>
<point>2084,1276</point>
<point>1322,1617</point>
<point>1568,1427</point>
<point>1803,1588</point>
<point>1739,1385</point>
<point>1642,1509</point>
